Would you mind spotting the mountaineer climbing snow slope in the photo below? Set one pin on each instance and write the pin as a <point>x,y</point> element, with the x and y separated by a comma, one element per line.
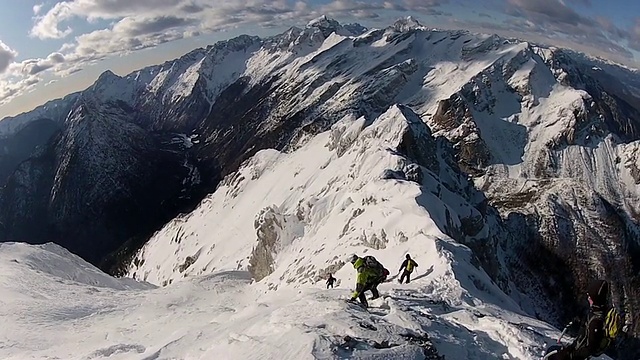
<point>243,275</point>
<point>289,219</point>
<point>56,306</point>
<point>518,137</point>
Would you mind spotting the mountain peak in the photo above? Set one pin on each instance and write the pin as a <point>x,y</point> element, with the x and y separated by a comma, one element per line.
<point>110,87</point>
<point>323,22</point>
<point>471,174</point>
<point>407,23</point>
<point>107,74</point>
<point>328,25</point>
<point>234,44</point>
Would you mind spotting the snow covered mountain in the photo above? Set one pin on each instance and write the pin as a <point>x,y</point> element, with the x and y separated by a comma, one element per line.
<point>386,140</point>
<point>80,313</point>
<point>92,181</point>
<point>356,174</point>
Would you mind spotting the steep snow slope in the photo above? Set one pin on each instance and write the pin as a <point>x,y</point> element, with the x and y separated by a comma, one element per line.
<point>243,95</point>
<point>53,261</point>
<point>342,192</point>
<point>550,141</point>
<point>291,218</point>
<point>538,129</point>
<point>80,313</point>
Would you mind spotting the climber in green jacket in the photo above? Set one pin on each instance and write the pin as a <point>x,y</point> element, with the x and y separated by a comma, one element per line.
<point>370,274</point>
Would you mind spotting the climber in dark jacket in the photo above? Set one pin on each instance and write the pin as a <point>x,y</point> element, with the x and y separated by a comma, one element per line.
<point>591,335</point>
<point>330,281</point>
<point>408,265</point>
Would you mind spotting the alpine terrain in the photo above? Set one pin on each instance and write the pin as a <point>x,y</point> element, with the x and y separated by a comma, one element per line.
<point>231,181</point>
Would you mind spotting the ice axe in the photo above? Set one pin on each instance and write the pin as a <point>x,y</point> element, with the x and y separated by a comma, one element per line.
<point>564,331</point>
<point>552,350</point>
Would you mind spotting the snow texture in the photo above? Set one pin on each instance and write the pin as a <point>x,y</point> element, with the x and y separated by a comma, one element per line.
<point>243,274</point>
<point>80,313</point>
<point>310,210</point>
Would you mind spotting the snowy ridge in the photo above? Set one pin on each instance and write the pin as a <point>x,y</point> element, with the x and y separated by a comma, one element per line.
<point>56,110</point>
<point>299,57</point>
<point>351,175</point>
<point>222,314</point>
<point>51,262</point>
<point>527,149</point>
<point>291,218</point>
<point>535,123</point>
<point>336,189</point>
<point>407,24</point>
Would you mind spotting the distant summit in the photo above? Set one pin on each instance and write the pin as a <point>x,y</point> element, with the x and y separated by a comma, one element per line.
<point>328,25</point>
<point>407,23</point>
<point>323,22</point>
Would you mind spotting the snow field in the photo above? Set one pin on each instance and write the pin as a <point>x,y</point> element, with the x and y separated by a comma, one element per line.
<point>223,316</point>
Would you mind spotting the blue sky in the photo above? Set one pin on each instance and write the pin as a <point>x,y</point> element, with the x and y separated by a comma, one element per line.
<point>50,48</point>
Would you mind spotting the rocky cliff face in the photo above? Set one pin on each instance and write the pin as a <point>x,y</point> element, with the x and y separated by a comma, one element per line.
<point>546,134</point>
<point>96,182</point>
<point>545,140</point>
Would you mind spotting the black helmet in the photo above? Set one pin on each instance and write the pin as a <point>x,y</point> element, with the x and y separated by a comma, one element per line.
<point>598,291</point>
<point>408,256</point>
<point>354,258</point>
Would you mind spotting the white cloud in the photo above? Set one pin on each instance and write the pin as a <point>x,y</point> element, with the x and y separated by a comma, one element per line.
<point>134,26</point>
<point>214,15</point>
<point>19,78</point>
<point>67,47</point>
<point>553,17</point>
<point>128,34</point>
<point>146,23</point>
<point>49,25</point>
<point>142,24</point>
<point>7,55</point>
<point>35,66</point>
<point>37,8</point>
<point>12,89</point>
<point>350,5</point>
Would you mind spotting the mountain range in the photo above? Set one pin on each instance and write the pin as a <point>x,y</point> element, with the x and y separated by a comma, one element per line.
<point>332,138</point>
